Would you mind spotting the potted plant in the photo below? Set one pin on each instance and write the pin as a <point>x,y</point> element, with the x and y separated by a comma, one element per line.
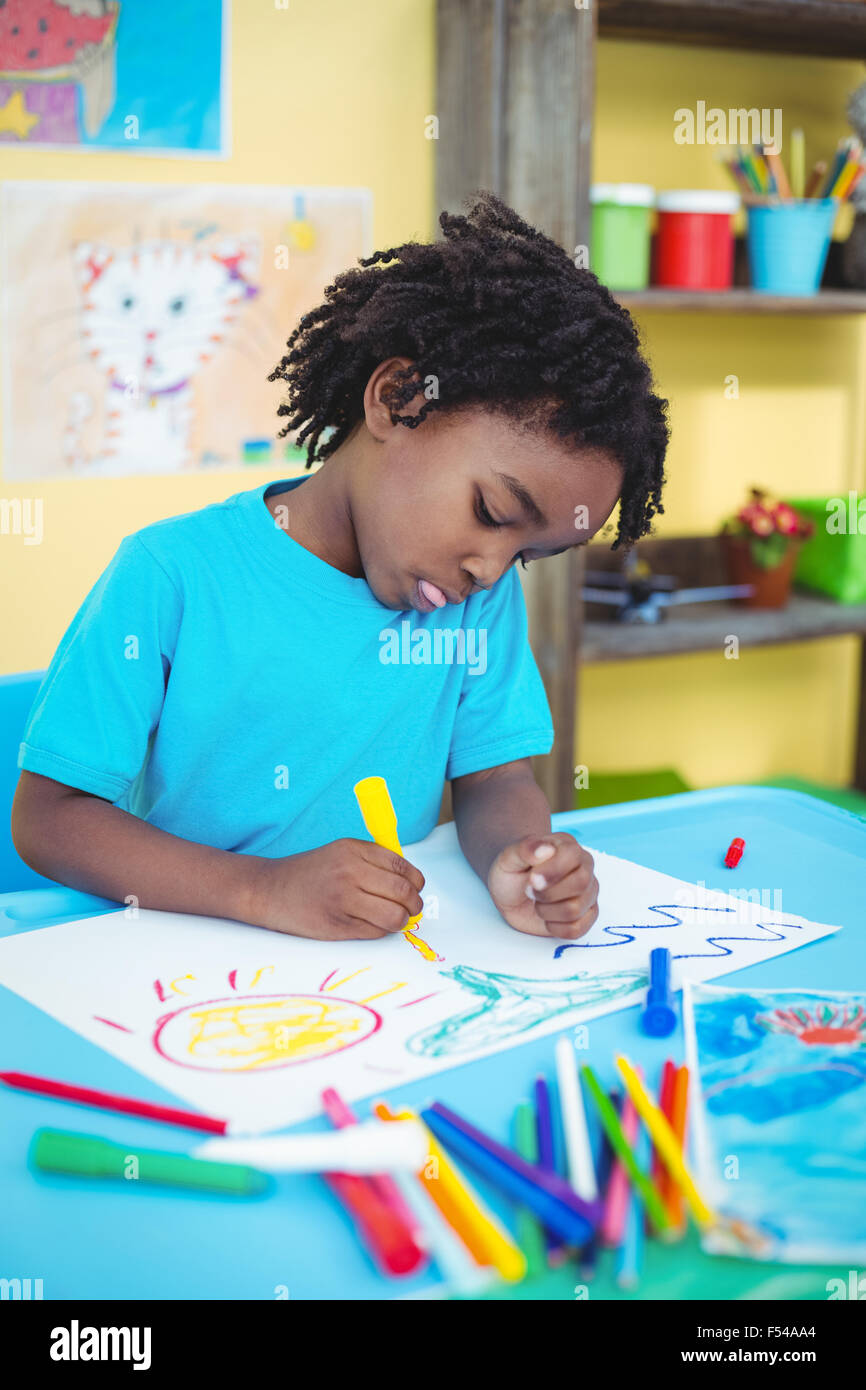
<point>760,546</point>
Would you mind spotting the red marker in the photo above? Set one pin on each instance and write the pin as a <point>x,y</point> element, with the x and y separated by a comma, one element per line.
<point>735,853</point>
<point>106,1100</point>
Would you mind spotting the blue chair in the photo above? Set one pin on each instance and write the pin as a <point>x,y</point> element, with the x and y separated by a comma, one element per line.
<point>17,694</point>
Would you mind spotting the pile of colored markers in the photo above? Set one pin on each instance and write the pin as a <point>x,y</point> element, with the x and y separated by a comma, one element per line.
<point>637,1183</point>
<point>761,176</point>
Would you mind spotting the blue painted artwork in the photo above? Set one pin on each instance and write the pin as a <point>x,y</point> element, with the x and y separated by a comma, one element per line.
<point>779,1117</point>
<point>114,74</point>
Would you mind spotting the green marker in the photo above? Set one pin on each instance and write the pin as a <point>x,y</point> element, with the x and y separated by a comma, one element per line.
<point>62,1151</point>
<point>530,1234</point>
<point>621,1147</point>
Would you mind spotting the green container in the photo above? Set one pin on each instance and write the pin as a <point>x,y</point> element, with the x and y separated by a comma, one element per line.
<point>620,237</point>
<point>833,560</point>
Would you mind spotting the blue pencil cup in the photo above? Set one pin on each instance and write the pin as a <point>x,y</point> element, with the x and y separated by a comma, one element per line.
<point>788,245</point>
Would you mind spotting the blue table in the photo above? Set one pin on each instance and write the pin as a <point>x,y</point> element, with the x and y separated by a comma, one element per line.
<point>89,1240</point>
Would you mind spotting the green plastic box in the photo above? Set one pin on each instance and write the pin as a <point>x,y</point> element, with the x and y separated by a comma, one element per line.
<point>833,560</point>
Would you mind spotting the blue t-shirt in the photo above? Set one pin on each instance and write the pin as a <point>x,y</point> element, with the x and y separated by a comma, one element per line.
<point>229,686</point>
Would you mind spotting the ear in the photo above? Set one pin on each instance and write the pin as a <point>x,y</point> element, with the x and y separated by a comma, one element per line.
<point>382,383</point>
<point>90,260</point>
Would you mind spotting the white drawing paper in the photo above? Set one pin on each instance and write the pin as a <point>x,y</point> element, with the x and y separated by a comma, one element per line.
<point>251,1025</point>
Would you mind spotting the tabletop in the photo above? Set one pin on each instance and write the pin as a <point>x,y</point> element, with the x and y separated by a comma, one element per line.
<point>96,1239</point>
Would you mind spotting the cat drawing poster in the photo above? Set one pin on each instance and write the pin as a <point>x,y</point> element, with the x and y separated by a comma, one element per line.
<point>153,315</point>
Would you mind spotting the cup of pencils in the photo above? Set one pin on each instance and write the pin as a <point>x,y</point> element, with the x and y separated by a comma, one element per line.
<point>790,220</point>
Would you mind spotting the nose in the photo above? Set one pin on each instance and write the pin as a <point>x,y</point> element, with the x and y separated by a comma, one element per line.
<point>483,573</point>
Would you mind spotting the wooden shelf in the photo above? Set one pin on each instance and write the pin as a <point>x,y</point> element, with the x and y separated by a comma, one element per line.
<point>824,28</point>
<point>704,627</point>
<point>742,301</point>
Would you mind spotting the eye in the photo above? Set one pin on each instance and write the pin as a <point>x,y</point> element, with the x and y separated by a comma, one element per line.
<point>483,514</point>
<point>177,305</point>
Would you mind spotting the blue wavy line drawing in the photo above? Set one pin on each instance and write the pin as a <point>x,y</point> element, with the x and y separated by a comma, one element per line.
<point>621,934</point>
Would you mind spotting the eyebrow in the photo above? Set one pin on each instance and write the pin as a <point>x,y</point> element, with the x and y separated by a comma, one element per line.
<point>527,502</point>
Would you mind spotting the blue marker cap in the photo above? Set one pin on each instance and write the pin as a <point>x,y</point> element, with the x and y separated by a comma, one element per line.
<point>659,1017</point>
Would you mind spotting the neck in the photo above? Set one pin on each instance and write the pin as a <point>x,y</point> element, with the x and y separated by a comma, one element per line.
<point>320,512</point>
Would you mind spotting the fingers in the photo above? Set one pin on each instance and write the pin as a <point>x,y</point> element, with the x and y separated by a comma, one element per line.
<point>389,862</point>
<point>531,851</point>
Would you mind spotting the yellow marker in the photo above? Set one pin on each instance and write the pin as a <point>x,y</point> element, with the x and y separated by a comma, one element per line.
<point>380,819</point>
<point>485,1239</point>
<point>665,1141</point>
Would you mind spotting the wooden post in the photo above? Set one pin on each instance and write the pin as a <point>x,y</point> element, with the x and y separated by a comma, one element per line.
<point>515,100</point>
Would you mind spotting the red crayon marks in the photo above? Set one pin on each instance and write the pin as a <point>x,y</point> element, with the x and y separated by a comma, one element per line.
<point>735,853</point>
<point>119,1026</point>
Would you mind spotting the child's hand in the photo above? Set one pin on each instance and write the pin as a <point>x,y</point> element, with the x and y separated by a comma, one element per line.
<point>544,885</point>
<point>347,890</point>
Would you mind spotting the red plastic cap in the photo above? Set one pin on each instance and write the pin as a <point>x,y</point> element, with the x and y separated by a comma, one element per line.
<point>735,853</point>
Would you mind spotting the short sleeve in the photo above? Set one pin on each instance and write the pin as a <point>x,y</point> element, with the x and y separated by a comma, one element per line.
<point>502,713</point>
<point>102,695</point>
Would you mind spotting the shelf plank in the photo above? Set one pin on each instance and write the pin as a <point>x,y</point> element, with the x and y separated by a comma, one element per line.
<point>704,627</point>
<point>825,28</point>
<point>741,301</point>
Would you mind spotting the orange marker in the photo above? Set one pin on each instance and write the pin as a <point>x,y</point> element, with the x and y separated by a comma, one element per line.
<point>673,1196</point>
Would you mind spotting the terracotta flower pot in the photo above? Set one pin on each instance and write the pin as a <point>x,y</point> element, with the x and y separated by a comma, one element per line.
<point>772,587</point>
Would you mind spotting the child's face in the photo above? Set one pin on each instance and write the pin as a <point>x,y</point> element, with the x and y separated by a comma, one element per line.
<point>425,504</point>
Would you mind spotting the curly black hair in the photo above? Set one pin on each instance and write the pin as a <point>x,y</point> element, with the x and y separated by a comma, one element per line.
<point>499,316</point>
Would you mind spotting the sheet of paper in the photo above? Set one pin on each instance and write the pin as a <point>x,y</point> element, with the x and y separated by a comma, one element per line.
<point>778,1082</point>
<point>250,1025</point>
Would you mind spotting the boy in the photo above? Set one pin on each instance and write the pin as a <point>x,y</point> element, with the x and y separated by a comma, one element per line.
<point>235,671</point>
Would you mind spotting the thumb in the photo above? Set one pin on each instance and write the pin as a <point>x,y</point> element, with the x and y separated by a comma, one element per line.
<point>526,854</point>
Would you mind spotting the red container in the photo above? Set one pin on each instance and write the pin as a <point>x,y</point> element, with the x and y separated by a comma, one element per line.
<point>695,242</point>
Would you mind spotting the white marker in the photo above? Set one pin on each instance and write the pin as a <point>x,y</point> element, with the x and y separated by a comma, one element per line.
<point>581,1169</point>
<point>371,1147</point>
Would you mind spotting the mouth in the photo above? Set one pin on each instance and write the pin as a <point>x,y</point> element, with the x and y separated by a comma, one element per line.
<point>427,597</point>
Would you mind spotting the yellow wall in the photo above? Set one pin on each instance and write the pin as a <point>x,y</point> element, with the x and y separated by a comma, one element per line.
<point>797,428</point>
<point>336,92</point>
<point>328,92</point>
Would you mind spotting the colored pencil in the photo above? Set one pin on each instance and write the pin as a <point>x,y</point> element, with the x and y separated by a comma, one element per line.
<point>666,1142</point>
<point>816,178</point>
<point>780,178</point>
<point>481,1232</point>
<point>581,1171</point>
<point>608,1116</point>
<point>798,163</point>
<point>106,1100</point>
<point>530,1232</point>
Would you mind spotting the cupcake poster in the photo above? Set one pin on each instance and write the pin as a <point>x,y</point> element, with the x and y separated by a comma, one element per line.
<point>114,74</point>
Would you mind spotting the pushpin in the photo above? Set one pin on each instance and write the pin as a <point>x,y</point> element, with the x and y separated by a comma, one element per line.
<point>659,1017</point>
